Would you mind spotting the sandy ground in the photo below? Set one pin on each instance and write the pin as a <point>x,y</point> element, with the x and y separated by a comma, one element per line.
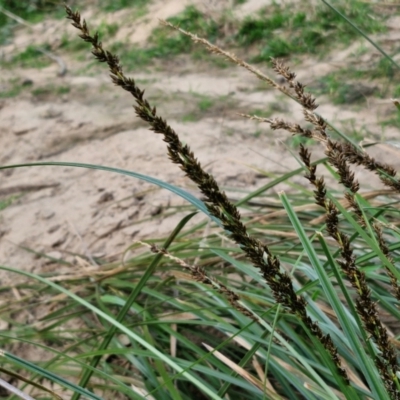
<point>64,211</point>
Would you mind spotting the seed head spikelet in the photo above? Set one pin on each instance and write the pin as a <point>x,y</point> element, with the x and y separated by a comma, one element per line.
<point>366,308</point>
<point>347,151</point>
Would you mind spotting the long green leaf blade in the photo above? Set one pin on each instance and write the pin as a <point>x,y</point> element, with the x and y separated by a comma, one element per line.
<point>370,373</point>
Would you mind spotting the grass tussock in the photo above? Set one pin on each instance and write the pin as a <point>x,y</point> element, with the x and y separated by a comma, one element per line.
<point>292,303</point>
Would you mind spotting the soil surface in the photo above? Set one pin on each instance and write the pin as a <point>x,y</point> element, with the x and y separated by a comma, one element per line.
<point>65,211</point>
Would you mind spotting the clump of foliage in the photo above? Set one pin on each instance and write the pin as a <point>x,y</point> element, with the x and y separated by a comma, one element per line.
<point>31,57</point>
<point>191,19</point>
<point>305,31</point>
<point>30,10</point>
<point>115,5</point>
<point>164,44</point>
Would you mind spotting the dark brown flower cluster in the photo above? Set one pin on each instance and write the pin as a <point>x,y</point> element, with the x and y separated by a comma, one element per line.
<point>366,308</point>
